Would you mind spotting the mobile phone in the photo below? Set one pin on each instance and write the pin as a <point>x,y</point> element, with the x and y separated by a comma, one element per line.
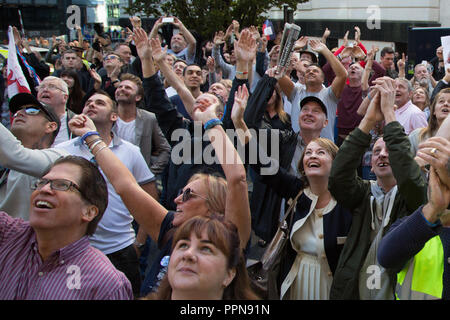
<point>167,20</point>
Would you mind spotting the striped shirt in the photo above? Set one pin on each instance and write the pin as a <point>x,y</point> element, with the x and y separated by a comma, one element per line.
<point>75,272</point>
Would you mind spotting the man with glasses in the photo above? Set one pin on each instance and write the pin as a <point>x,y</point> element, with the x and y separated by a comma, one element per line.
<point>49,257</point>
<point>110,73</point>
<point>54,92</point>
<point>34,128</point>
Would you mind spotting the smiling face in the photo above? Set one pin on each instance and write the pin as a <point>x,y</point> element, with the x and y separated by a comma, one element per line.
<point>60,210</point>
<point>193,76</point>
<point>314,75</point>
<point>312,117</point>
<point>380,160</point>
<point>317,160</point>
<point>199,268</point>
<point>127,92</point>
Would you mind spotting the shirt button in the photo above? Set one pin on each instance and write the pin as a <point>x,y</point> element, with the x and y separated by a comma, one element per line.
<point>62,262</point>
<point>320,215</point>
<point>40,274</point>
<point>324,256</point>
<point>330,274</point>
<point>320,236</point>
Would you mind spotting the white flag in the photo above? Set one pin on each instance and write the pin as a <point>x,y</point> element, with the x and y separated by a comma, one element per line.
<point>16,80</point>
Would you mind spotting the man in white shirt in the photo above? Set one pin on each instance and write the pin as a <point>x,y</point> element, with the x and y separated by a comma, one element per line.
<point>115,235</point>
<point>408,114</point>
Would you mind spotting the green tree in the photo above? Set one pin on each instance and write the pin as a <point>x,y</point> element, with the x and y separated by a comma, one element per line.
<point>206,16</point>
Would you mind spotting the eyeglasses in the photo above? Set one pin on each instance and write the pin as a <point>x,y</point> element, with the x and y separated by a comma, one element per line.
<point>31,111</point>
<point>188,194</point>
<point>56,184</point>
<point>110,57</point>
<point>51,87</point>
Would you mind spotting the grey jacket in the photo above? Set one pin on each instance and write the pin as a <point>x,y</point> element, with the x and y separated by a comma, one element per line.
<point>153,144</point>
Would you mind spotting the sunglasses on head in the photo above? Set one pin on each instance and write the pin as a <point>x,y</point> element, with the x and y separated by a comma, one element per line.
<point>188,194</point>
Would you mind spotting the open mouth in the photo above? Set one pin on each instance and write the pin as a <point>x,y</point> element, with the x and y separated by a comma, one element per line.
<point>314,164</point>
<point>383,164</point>
<point>41,204</point>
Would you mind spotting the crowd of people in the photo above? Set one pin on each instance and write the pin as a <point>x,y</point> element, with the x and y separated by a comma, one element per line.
<point>119,178</point>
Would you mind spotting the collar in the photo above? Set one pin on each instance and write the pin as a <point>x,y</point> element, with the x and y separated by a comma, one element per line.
<point>404,107</point>
<point>66,253</point>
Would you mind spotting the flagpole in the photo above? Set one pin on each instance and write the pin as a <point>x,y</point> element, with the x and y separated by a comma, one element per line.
<point>21,23</point>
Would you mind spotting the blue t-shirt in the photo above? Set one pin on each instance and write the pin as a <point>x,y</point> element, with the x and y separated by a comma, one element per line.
<point>159,267</point>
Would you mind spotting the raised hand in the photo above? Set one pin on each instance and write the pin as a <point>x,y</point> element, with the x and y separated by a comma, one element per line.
<point>135,22</point>
<point>96,77</point>
<point>205,113</point>
<point>436,152</point>
<point>357,35</point>
<point>245,47</point>
<point>211,63</point>
<point>346,39</point>
<point>317,46</point>
<point>302,42</point>
<point>219,38</point>
<point>240,103</point>
<point>157,51</point>
<point>142,44</point>
<point>386,87</point>
<point>326,34</point>
<point>81,124</point>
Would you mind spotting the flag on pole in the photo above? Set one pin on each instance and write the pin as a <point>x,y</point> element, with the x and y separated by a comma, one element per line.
<point>269,30</point>
<point>16,80</point>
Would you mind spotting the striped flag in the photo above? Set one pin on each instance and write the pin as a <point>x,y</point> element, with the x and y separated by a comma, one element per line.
<point>269,30</point>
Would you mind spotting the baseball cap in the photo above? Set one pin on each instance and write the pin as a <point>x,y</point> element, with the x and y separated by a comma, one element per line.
<point>316,100</point>
<point>23,98</point>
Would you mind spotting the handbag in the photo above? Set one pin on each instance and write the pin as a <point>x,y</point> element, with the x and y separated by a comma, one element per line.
<point>264,273</point>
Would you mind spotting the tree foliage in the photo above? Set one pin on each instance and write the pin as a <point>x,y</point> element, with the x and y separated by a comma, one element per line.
<point>207,16</point>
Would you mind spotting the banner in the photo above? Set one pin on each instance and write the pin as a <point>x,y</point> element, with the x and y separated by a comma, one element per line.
<point>16,80</point>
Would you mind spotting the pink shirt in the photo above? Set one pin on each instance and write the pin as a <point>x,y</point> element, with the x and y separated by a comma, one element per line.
<point>75,272</point>
<point>411,117</point>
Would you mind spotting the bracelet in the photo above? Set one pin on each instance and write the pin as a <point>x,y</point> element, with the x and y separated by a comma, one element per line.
<point>90,143</point>
<point>91,148</point>
<point>90,133</point>
<point>368,95</point>
<point>104,147</point>
<point>212,123</point>
<point>240,72</point>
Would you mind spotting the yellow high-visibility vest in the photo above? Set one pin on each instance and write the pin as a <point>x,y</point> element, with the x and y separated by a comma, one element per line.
<point>421,279</point>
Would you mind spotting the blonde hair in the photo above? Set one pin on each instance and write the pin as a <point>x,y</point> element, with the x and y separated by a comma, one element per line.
<point>433,125</point>
<point>216,191</point>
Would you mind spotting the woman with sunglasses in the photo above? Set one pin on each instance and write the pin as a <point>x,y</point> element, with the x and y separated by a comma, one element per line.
<point>202,196</point>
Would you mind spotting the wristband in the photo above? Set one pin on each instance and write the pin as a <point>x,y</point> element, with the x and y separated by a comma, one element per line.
<point>212,123</point>
<point>368,95</point>
<point>91,148</point>
<point>240,72</point>
<point>87,134</point>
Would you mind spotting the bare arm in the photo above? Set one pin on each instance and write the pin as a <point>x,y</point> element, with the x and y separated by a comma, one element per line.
<point>171,76</point>
<point>338,83</point>
<point>147,211</point>
<point>190,39</point>
<point>237,208</point>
